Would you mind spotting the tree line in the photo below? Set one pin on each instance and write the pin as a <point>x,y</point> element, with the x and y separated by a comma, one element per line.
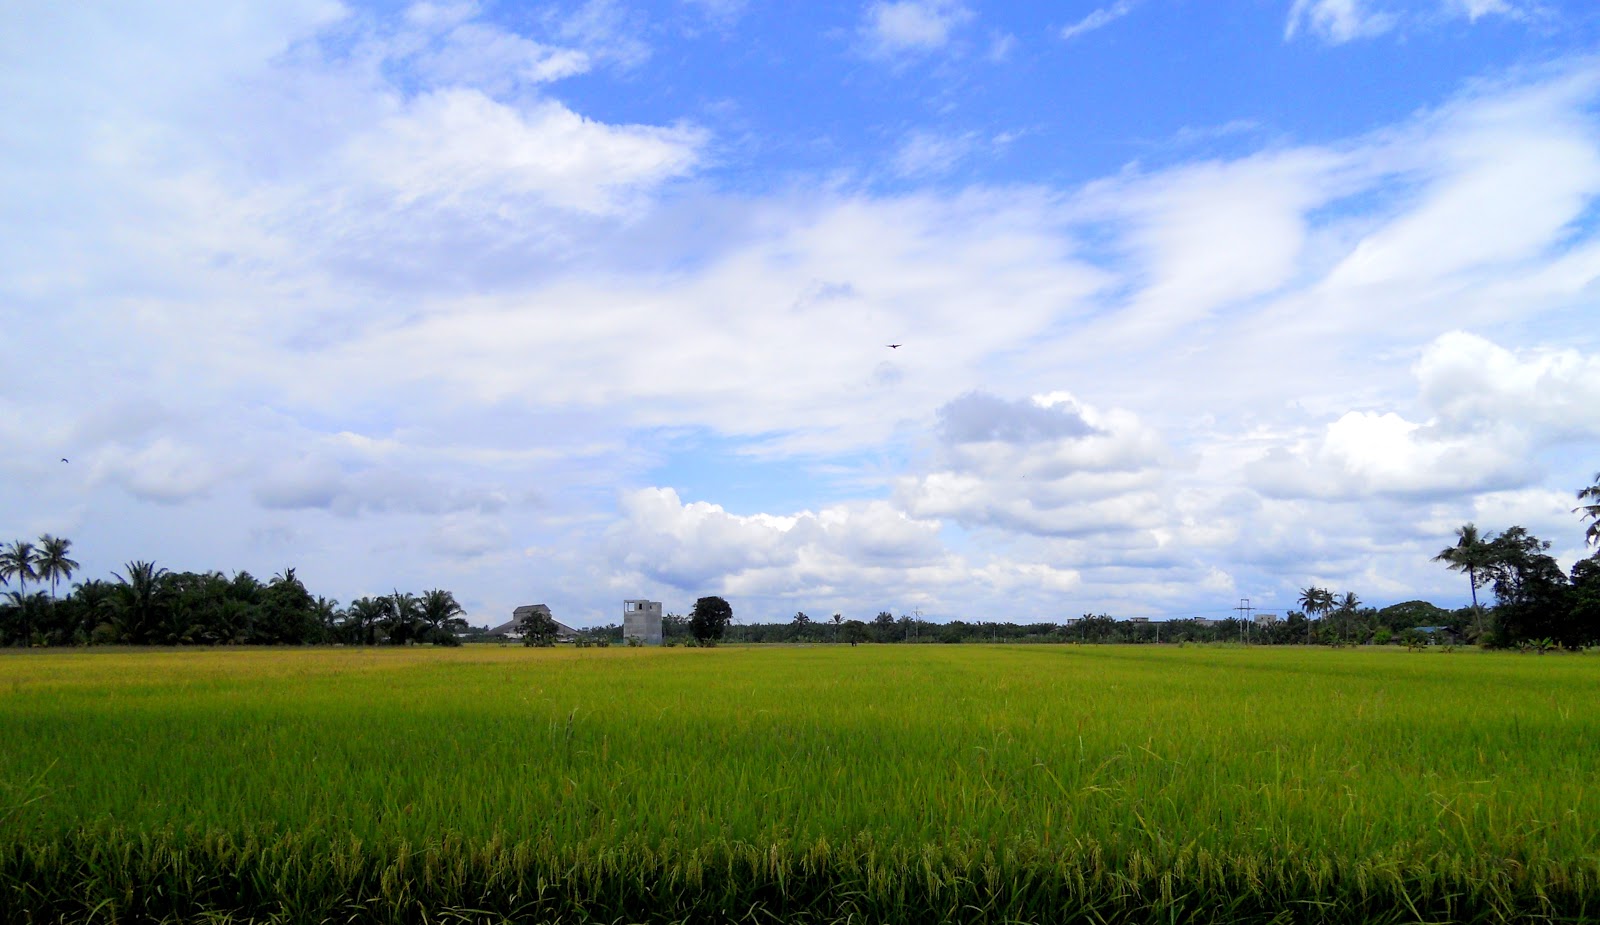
<point>1394,624</point>
<point>147,605</point>
<point>1535,603</point>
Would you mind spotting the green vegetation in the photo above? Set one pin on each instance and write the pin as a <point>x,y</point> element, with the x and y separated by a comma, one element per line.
<point>709,620</point>
<point>910,783</point>
<point>148,605</point>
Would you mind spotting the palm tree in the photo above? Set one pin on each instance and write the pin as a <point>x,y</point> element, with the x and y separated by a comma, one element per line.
<point>52,562</point>
<point>94,599</point>
<point>20,561</point>
<point>1315,601</point>
<point>365,613</point>
<point>139,600</point>
<point>1591,510</point>
<point>441,612</point>
<point>54,565</point>
<point>401,615</point>
<point>1347,611</point>
<point>1473,552</point>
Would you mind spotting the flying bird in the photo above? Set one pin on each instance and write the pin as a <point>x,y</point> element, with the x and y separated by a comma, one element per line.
<point>893,346</point>
<point>63,459</point>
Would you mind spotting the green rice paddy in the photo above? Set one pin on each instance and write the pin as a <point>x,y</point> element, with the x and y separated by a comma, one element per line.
<point>866,784</point>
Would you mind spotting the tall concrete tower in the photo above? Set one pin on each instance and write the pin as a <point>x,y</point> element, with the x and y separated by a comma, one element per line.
<point>641,620</point>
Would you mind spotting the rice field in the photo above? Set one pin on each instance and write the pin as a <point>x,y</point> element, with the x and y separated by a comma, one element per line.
<point>827,784</point>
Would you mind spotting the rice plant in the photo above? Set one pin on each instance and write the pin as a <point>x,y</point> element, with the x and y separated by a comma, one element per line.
<point>831,784</point>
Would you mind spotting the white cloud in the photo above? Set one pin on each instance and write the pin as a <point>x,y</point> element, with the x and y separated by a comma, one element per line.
<point>900,27</point>
<point>1104,16</point>
<point>700,545</point>
<point>475,55</point>
<point>1477,9</point>
<point>1340,21</point>
<point>1247,370</point>
<point>1336,21</point>
<point>458,147</point>
<point>1503,181</point>
<point>1048,466</point>
<point>926,154</point>
<point>1474,385</point>
<point>163,471</point>
<point>1490,414</point>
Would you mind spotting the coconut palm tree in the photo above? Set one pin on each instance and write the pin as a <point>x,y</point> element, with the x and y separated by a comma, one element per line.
<point>1591,510</point>
<point>20,560</point>
<point>1347,606</point>
<point>94,600</point>
<point>52,562</point>
<point>1471,554</point>
<point>1315,601</point>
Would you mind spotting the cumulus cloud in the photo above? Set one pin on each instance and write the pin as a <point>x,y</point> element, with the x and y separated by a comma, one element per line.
<point>699,545</point>
<point>294,231</point>
<point>1490,414</point>
<point>1336,21</point>
<point>1046,465</point>
<point>1474,385</point>
<point>978,417</point>
<point>891,29</point>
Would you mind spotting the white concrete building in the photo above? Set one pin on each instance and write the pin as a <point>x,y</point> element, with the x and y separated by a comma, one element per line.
<point>641,620</point>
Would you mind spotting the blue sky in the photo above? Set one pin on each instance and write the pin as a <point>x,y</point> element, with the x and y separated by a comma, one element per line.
<point>578,302</point>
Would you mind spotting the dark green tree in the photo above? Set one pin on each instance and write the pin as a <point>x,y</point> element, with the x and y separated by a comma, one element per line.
<point>1315,602</point>
<point>287,614</point>
<point>1591,509</point>
<point>402,617</point>
<point>883,626</point>
<point>1471,555</point>
<point>53,563</point>
<point>141,602</point>
<point>1530,589</point>
<point>363,618</point>
<point>442,615</point>
<point>709,619</point>
<point>538,629</point>
<point>91,604</point>
<point>1584,600</point>
<point>20,560</point>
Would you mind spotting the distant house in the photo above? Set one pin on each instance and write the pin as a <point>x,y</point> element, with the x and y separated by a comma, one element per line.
<point>1204,621</point>
<point>1266,619</point>
<point>512,630</point>
<point>641,620</point>
<point>1437,635</point>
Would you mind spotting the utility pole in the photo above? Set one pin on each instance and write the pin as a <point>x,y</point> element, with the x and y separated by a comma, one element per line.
<point>1245,609</point>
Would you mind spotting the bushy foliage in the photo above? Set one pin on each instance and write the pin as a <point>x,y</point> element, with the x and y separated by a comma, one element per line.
<point>145,604</point>
<point>709,619</point>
